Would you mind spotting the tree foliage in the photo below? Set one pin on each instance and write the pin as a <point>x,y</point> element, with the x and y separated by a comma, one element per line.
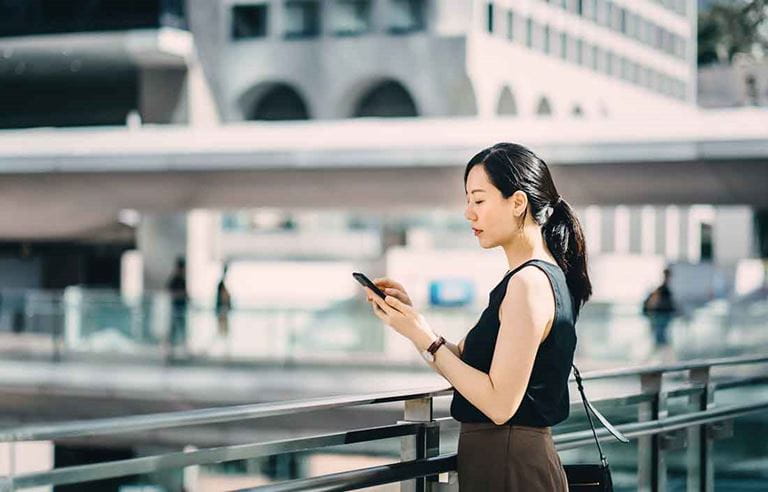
<point>726,29</point>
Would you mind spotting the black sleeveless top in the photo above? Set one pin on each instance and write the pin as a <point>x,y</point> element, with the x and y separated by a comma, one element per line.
<point>545,402</point>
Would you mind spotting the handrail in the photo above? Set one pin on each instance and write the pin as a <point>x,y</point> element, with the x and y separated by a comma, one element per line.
<point>357,478</point>
<point>681,366</point>
<point>367,477</point>
<point>133,423</point>
<point>116,425</point>
<point>147,464</point>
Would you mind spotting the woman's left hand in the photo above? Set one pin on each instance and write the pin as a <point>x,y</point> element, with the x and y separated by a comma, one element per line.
<point>400,316</point>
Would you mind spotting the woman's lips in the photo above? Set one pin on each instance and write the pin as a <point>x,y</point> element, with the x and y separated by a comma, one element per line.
<point>477,231</point>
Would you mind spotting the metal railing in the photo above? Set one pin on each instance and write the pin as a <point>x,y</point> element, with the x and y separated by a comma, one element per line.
<point>421,464</point>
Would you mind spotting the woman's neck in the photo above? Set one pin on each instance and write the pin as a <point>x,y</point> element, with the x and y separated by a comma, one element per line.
<point>527,245</point>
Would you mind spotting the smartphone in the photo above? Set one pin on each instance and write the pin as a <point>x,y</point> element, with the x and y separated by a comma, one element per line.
<point>366,282</point>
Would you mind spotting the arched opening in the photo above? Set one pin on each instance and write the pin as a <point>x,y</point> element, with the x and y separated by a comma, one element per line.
<point>506,105</point>
<point>544,108</point>
<point>386,99</point>
<point>460,96</point>
<point>278,102</point>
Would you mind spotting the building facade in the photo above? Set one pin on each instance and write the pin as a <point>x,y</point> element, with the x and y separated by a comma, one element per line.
<point>201,61</point>
<point>293,59</point>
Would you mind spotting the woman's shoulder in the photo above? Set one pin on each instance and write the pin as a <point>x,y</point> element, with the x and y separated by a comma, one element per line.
<point>529,294</point>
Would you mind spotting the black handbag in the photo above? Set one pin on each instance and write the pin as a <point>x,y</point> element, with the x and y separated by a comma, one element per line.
<point>592,477</point>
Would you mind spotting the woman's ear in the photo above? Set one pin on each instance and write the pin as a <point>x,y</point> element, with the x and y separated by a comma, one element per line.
<point>519,203</point>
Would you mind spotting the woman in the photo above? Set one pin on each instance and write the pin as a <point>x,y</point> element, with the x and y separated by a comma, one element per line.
<point>510,372</point>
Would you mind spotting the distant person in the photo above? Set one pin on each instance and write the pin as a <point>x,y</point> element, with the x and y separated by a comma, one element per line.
<point>177,286</point>
<point>660,307</point>
<point>223,304</point>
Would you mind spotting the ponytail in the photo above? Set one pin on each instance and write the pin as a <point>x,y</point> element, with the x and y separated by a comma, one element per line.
<point>565,239</point>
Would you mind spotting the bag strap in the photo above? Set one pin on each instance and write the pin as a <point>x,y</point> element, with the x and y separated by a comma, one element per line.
<point>588,407</point>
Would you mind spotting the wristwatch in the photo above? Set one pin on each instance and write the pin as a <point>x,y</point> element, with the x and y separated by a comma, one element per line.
<point>429,354</point>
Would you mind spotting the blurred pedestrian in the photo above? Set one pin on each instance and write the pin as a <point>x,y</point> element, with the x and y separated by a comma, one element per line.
<point>177,286</point>
<point>660,307</point>
<point>223,304</point>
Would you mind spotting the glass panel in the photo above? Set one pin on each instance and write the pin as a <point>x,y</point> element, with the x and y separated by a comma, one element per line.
<point>406,16</point>
<point>351,17</point>
<point>249,21</point>
<point>302,18</point>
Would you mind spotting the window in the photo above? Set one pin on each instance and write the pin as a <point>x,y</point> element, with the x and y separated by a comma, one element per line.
<point>406,16</point>
<point>623,20</point>
<point>544,108</point>
<point>641,30</point>
<point>510,25</point>
<point>529,32</point>
<point>249,21</point>
<point>601,15</point>
<point>631,24</point>
<point>579,51</point>
<point>590,9</point>
<point>593,57</point>
<point>564,46</point>
<point>653,80</point>
<point>351,17</point>
<point>545,41</point>
<point>642,76</point>
<point>617,18</point>
<point>610,63</point>
<point>599,55</point>
<point>490,18</point>
<point>624,68</point>
<point>302,18</point>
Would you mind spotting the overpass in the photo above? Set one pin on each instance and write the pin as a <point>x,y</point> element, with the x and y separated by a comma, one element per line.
<point>58,182</point>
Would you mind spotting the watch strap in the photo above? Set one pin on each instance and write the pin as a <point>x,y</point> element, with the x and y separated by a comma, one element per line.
<point>436,345</point>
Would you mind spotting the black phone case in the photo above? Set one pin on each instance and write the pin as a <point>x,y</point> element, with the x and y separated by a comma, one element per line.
<point>366,282</point>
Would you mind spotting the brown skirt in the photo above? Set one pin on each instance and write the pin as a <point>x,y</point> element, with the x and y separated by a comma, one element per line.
<point>508,458</point>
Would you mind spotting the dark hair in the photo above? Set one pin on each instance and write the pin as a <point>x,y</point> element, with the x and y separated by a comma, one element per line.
<point>512,167</point>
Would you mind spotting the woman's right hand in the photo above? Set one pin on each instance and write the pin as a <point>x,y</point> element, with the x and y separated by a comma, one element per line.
<point>394,289</point>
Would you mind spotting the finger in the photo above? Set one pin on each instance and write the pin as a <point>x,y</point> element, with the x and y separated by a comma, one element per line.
<point>388,310</point>
<point>397,304</point>
<point>388,282</point>
<point>379,313</point>
<point>397,293</point>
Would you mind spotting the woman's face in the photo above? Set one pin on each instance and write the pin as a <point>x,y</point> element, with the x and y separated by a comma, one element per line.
<point>493,218</point>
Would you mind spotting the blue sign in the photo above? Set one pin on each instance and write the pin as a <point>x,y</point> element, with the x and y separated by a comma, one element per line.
<point>451,292</point>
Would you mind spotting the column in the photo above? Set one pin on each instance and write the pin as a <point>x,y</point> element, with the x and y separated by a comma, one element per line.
<point>648,230</point>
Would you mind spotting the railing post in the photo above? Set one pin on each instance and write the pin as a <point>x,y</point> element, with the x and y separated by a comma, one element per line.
<point>700,467</point>
<point>424,444</point>
<point>651,465</point>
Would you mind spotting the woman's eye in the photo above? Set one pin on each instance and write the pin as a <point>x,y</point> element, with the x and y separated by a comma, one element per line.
<point>479,202</point>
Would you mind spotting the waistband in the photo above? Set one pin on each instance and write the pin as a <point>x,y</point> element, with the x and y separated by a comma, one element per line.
<point>476,426</point>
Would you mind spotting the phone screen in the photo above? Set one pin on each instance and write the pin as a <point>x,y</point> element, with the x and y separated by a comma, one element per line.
<point>366,282</point>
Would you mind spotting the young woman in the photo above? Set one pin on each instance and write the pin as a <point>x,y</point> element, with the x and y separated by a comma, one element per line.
<point>510,372</point>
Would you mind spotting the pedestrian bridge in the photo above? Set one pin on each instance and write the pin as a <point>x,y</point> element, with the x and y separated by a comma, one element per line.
<point>674,411</point>
<point>57,181</point>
